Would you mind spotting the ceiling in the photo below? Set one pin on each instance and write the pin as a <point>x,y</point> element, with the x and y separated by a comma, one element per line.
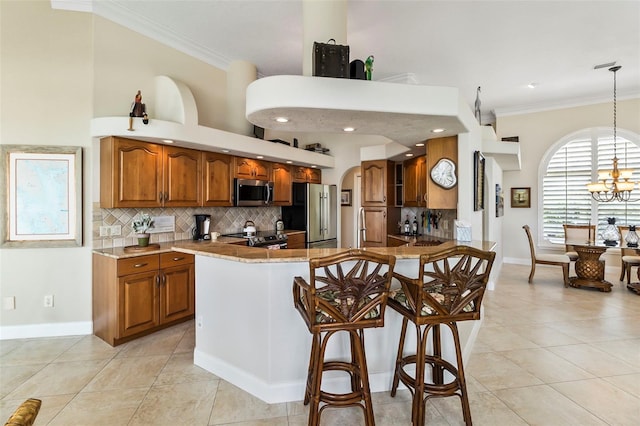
<point>500,46</point>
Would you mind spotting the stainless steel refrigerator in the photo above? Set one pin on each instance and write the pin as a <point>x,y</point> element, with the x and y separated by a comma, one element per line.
<point>314,210</point>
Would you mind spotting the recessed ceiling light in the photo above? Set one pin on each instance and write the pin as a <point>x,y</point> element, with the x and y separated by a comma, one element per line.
<point>349,129</point>
<point>167,140</point>
<point>260,157</point>
<point>420,144</point>
<point>437,130</point>
<point>408,155</point>
<point>532,85</point>
<point>225,150</point>
<point>289,162</point>
<point>314,166</point>
<point>282,119</point>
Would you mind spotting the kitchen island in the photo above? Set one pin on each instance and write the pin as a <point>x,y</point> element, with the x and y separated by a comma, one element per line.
<point>249,333</point>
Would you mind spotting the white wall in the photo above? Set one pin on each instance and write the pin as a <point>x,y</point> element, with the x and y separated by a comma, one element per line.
<point>60,69</point>
<point>537,132</point>
<point>46,97</point>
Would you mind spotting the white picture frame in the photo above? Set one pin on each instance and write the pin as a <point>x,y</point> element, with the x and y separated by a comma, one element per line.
<point>42,190</point>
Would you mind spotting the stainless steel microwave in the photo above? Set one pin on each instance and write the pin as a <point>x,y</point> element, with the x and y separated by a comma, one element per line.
<point>253,193</point>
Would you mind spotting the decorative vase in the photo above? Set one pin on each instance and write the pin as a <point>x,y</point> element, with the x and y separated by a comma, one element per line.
<point>610,235</point>
<point>143,240</point>
<point>632,238</point>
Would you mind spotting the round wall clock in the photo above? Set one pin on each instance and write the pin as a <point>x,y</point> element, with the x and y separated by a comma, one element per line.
<point>444,173</point>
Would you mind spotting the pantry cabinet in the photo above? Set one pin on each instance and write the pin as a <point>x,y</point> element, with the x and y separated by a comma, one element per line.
<point>307,174</point>
<point>248,168</point>
<point>138,295</point>
<point>282,179</point>
<point>377,183</point>
<point>142,174</point>
<point>414,176</point>
<point>217,179</point>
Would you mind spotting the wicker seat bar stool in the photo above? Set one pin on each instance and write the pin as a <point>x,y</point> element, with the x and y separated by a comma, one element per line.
<point>347,292</point>
<point>449,288</point>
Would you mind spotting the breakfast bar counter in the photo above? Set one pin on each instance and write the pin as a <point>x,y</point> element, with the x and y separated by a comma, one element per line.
<point>249,333</point>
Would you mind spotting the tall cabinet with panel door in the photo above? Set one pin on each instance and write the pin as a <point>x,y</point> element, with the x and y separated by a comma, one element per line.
<point>378,215</point>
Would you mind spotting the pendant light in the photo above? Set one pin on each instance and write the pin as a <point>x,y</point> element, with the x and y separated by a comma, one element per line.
<point>613,185</point>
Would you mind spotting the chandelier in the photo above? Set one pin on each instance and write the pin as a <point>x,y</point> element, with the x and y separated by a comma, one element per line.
<point>613,185</point>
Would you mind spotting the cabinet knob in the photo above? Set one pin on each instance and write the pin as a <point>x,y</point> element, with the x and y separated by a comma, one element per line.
<point>175,259</point>
<point>140,265</point>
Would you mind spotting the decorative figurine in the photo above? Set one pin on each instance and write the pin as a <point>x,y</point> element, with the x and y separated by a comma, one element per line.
<point>477,107</point>
<point>138,109</point>
<point>368,67</point>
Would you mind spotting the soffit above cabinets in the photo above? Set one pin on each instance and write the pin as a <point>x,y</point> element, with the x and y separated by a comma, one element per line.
<point>506,154</point>
<point>176,118</point>
<point>401,112</point>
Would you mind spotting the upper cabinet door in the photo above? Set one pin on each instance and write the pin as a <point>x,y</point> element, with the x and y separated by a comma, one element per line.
<point>247,168</point>
<point>377,183</point>
<point>217,179</point>
<point>182,177</point>
<point>414,175</point>
<point>130,173</point>
<point>282,179</point>
<point>307,174</point>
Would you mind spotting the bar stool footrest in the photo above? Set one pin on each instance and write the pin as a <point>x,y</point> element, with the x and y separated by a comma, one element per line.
<point>434,389</point>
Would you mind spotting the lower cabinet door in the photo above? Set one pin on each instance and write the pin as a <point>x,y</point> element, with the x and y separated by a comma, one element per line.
<point>138,300</point>
<point>177,298</point>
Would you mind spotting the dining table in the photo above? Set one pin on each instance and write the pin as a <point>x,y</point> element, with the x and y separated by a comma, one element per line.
<point>589,266</point>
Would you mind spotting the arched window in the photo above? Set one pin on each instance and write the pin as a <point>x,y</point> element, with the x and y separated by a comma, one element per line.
<point>574,162</point>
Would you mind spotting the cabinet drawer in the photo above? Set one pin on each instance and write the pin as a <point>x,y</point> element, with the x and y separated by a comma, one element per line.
<point>175,258</point>
<point>134,265</point>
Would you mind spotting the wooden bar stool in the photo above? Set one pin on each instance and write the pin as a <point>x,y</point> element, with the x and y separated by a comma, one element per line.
<point>449,288</point>
<point>347,292</point>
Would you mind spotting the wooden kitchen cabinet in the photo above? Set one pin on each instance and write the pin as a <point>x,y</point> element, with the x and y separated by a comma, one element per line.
<point>378,185</point>
<point>217,179</point>
<point>142,174</point>
<point>437,196</point>
<point>307,174</point>
<point>248,168</point>
<point>414,174</point>
<point>296,240</point>
<point>379,222</point>
<point>138,295</point>
<point>282,178</point>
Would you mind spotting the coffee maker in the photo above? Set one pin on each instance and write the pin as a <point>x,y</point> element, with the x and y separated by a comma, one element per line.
<point>201,230</point>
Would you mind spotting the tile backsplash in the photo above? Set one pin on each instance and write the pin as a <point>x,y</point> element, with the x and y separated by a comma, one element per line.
<point>446,220</point>
<point>226,220</point>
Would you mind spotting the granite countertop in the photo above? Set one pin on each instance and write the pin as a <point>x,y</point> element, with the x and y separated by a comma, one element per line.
<point>224,248</point>
<point>261,255</point>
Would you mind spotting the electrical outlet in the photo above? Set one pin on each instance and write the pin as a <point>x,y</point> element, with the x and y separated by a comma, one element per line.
<point>116,230</point>
<point>9,303</point>
<point>104,231</point>
<point>48,301</point>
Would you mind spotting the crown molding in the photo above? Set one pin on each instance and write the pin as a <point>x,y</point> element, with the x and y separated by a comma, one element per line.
<point>568,103</point>
<point>73,5</point>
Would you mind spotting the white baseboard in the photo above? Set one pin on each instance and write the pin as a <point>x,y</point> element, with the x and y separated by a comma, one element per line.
<point>56,329</point>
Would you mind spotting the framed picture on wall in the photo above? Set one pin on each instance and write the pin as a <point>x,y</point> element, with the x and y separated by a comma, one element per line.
<point>345,197</point>
<point>478,181</point>
<point>520,198</point>
<point>42,188</point>
<point>499,201</point>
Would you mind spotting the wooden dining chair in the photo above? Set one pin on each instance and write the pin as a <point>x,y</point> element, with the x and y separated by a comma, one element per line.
<point>25,414</point>
<point>547,259</point>
<point>628,256</point>
<point>577,232</point>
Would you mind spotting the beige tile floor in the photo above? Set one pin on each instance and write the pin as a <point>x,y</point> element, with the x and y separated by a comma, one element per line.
<point>546,355</point>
